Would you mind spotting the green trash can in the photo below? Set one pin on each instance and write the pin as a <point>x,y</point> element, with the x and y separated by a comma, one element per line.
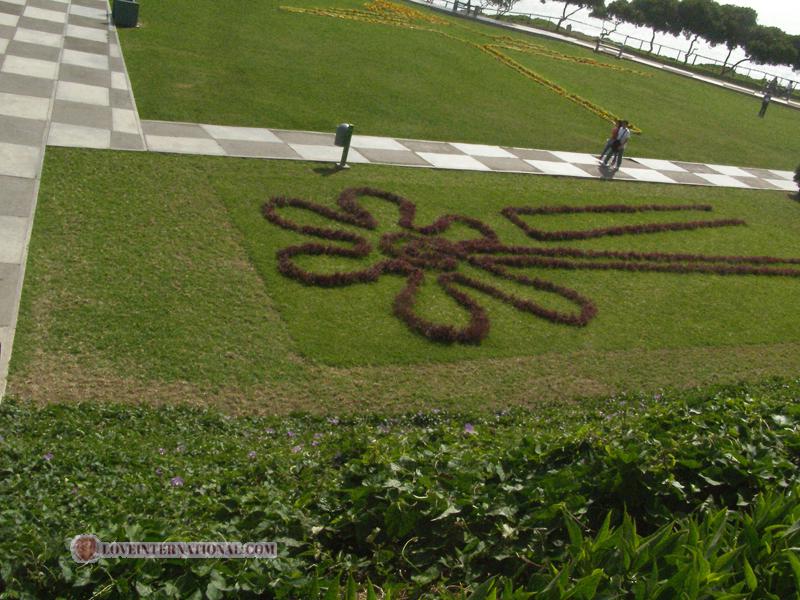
<point>125,13</point>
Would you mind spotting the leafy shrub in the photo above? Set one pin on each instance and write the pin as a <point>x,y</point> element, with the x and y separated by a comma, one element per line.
<point>690,494</point>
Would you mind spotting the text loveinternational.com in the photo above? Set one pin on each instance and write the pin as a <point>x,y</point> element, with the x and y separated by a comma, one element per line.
<point>88,548</point>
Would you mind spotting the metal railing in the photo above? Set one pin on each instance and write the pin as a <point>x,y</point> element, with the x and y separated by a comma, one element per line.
<point>631,43</point>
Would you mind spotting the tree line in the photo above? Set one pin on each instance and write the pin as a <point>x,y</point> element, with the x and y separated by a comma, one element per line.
<point>717,24</point>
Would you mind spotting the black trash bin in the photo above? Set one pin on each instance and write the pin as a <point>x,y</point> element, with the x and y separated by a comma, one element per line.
<point>125,13</point>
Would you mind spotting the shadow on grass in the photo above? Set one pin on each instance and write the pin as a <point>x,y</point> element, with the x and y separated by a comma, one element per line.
<point>328,171</point>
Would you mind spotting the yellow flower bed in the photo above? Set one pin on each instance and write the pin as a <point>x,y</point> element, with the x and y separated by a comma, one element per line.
<point>386,7</point>
<point>351,15</point>
<point>534,76</point>
<point>509,43</point>
<point>383,12</point>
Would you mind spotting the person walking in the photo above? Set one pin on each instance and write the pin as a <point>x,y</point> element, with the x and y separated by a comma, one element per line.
<point>610,140</point>
<point>618,145</point>
<point>765,103</point>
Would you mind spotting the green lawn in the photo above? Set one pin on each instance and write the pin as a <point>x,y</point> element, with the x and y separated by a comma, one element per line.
<point>256,64</point>
<point>170,283</point>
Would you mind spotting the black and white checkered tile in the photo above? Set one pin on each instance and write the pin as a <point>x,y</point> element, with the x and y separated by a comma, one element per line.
<point>31,38</point>
<point>94,106</point>
<point>62,82</point>
<point>216,140</point>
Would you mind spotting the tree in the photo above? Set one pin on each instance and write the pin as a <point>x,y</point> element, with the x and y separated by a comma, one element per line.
<point>597,7</point>
<point>659,15</point>
<point>796,44</point>
<point>699,19</point>
<point>622,10</point>
<point>769,46</point>
<point>736,24</point>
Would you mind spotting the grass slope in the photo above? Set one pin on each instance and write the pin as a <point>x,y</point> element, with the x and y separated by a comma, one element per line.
<point>254,64</point>
<point>169,283</point>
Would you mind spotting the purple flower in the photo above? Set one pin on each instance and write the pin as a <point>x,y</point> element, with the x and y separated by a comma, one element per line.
<point>297,449</point>
<point>162,451</point>
<point>469,429</point>
<point>251,455</point>
<point>159,471</point>
<point>315,443</point>
<point>317,436</point>
<point>176,481</point>
<point>48,457</point>
<point>74,489</point>
<point>333,420</point>
<point>290,433</point>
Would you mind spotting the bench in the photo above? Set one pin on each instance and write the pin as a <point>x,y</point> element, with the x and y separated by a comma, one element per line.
<point>606,45</point>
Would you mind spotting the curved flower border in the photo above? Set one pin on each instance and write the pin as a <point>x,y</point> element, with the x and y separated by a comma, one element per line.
<point>513,214</point>
<point>414,250</point>
<point>422,251</point>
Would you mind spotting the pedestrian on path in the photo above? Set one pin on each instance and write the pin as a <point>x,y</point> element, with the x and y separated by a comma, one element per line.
<point>765,103</point>
<point>610,140</point>
<point>618,145</point>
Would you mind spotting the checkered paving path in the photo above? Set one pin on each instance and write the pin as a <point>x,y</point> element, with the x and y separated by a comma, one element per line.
<point>63,82</point>
<point>216,140</point>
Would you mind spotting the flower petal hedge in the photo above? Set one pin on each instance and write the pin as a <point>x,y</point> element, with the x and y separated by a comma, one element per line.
<point>512,214</point>
<point>415,250</point>
<point>692,494</point>
<point>412,252</point>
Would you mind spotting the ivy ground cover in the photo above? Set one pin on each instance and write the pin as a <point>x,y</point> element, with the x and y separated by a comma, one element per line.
<point>691,495</point>
<point>410,72</point>
<point>173,282</point>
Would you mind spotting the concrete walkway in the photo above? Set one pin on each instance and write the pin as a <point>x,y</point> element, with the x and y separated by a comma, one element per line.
<point>60,68</point>
<point>63,82</point>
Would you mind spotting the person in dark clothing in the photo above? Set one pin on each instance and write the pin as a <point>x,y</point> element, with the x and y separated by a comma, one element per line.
<point>610,141</point>
<point>618,145</point>
<point>765,104</point>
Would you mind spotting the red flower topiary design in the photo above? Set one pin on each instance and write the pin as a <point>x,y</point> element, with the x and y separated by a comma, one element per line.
<point>416,250</point>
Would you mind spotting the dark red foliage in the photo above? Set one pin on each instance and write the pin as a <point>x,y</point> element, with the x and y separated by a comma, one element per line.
<point>512,214</point>
<point>414,250</point>
<point>643,256</point>
<point>473,333</point>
